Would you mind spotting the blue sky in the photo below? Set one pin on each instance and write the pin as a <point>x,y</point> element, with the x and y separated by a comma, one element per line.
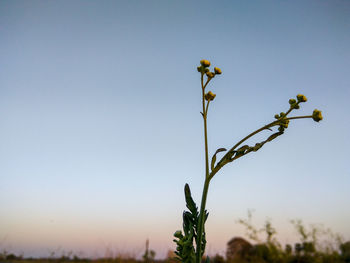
<point>100,126</point>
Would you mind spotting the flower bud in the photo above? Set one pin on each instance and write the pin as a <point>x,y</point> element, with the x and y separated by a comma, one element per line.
<point>284,123</point>
<point>209,96</point>
<point>205,63</point>
<point>277,116</point>
<point>292,101</point>
<point>202,69</point>
<point>178,234</point>
<point>301,98</point>
<point>317,115</point>
<point>217,71</point>
<point>210,75</point>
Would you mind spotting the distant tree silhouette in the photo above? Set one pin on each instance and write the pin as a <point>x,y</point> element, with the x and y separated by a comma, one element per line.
<point>345,251</point>
<point>238,248</point>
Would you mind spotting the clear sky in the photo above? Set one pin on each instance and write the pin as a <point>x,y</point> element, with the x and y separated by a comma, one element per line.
<point>100,126</point>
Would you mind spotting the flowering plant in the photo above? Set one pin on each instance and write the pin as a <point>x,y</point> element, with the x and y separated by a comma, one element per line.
<point>192,241</point>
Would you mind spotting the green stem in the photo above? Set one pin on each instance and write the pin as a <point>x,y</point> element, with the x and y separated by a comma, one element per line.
<point>290,109</point>
<point>206,109</point>
<point>268,126</point>
<point>201,220</point>
<point>299,117</point>
<point>250,135</point>
<point>205,128</point>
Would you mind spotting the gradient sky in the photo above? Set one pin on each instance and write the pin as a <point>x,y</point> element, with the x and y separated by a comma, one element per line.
<point>100,126</point>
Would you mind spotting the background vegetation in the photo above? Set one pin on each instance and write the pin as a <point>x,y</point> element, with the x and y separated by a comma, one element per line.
<point>316,244</point>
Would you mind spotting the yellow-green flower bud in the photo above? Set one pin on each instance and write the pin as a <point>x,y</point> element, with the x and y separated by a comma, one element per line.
<point>217,71</point>
<point>317,115</point>
<point>284,123</point>
<point>202,69</point>
<point>282,114</point>
<point>277,116</point>
<point>205,63</point>
<point>178,234</point>
<point>210,75</point>
<point>292,101</point>
<point>296,106</point>
<point>209,96</point>
<point>301,98</point>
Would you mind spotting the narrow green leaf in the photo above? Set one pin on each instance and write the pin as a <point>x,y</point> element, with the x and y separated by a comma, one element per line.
<point>213,159</point>
<point>274,136</point>
<point>191,205</point>
<point>206,216</point>
<point>257,146</point>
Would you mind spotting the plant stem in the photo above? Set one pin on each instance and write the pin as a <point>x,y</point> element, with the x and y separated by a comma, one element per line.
<point>250,135</point>
<point>206,182</point>
<point>299,117</point>
<point>201,221</point>
<point>265,127</point>
<point>205,128</point>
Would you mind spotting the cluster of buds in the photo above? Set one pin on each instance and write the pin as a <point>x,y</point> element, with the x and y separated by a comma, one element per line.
<point>294,104</point>
<point>204,69</point>
<point>282,121</point>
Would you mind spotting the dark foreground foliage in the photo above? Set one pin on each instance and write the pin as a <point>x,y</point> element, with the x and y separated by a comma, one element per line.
<point>299,253</point>
<point>316,245</point>
<point>238,251</point>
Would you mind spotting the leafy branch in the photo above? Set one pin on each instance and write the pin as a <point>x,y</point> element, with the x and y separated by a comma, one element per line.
<point>191,243</point>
